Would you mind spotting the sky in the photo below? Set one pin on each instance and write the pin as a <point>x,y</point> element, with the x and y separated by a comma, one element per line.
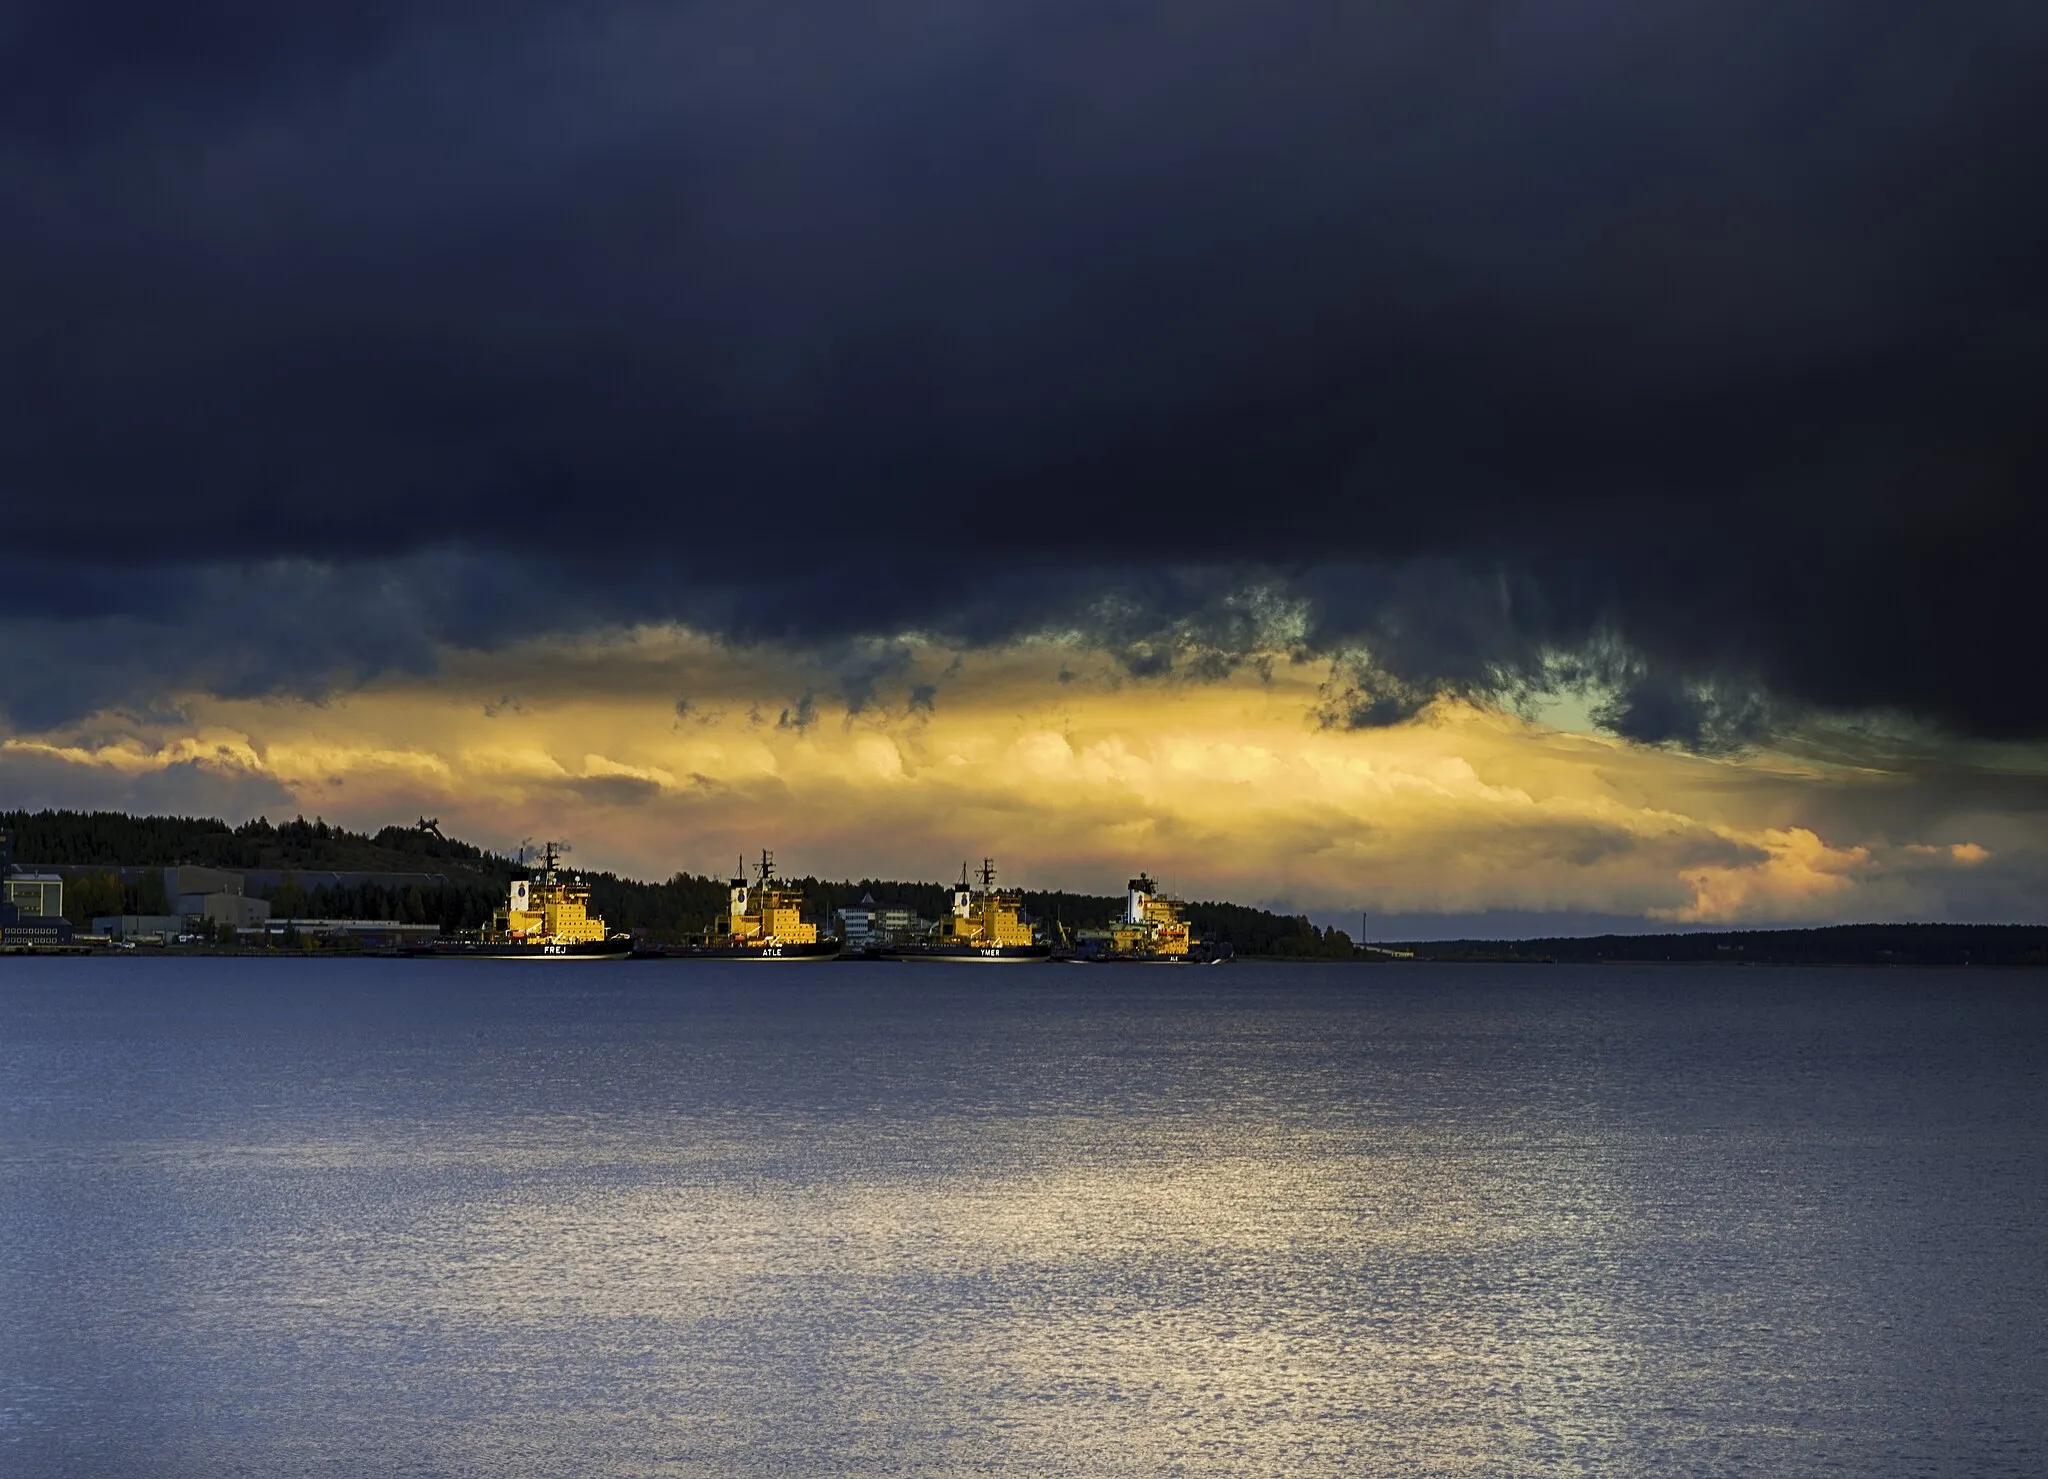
<point>1487,466</point>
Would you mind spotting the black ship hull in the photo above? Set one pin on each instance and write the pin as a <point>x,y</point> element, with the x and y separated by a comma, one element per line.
<point>972,954</point>
<point>821,950</point>
<point>1148,959</point>
<point>616,948</point>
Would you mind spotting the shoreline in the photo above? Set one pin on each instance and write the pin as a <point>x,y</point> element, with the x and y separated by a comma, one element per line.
<point>81,951</point>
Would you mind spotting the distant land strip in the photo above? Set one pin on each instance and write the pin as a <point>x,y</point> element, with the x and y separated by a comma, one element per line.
<point>1841,944</point>
<point>415,875</point>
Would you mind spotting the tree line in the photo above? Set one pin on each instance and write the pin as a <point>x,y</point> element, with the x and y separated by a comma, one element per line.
<point>113,838</point>
<point>683,905</point>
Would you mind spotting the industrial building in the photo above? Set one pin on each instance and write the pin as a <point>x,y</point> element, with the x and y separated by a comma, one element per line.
<point>36,895</point>
<point>31,904</point>
<point>325,932</point>
<point>165,927</point>
<point>216,895</point>
<point>868,925</point>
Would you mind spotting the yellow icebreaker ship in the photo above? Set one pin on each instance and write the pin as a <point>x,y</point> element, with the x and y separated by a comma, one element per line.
<point>987,925</point>
<point>546,916</point>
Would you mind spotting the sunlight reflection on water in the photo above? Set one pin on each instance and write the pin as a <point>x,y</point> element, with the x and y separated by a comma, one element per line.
<point>339,1218</point>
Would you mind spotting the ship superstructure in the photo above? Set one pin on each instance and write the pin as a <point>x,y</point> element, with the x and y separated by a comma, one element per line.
<point>546,916</point>
<point>986,924</point>
<point>762,920</point>
<point>1153,928</point>
<point>550,908</point>
<point>766,921</point>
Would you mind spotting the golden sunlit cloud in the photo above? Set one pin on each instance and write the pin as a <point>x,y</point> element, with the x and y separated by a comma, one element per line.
<point>657,750</point>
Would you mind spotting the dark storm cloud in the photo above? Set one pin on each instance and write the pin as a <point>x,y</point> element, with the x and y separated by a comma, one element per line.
<point>1694,347</point>
<point>613,790</point>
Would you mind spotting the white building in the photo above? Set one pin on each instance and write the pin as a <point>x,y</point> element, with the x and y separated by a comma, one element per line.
<point>869,924</point>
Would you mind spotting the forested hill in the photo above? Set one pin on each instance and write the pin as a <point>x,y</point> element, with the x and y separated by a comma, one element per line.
<point>115,839</point>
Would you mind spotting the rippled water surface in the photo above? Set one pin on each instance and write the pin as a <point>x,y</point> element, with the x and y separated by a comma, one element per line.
<point>354,1218</point>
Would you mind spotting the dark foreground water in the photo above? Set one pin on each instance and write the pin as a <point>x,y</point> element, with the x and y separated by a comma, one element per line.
<point>370,1218</point>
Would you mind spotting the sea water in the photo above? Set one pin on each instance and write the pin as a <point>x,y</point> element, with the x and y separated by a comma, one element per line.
<point>355,1217</point>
